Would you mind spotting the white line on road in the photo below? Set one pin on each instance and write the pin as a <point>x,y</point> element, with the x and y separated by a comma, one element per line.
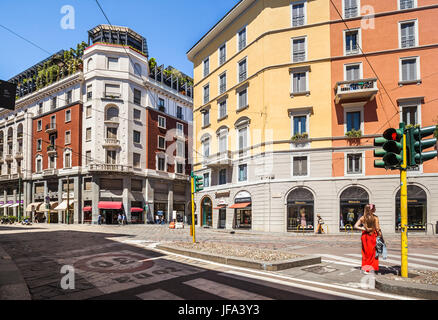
<point>223,290</point>
<point>397,262</point>
<point>309,285</point>
<point>435,256</point>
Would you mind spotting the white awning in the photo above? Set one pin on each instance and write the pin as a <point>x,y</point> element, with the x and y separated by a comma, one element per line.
<point>44,209</point>
<point>34,204</point>
<point>6,205</point>
<point>15,205</point>
<point>63,205</point>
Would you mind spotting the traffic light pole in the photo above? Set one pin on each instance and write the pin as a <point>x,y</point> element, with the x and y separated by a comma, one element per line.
<point>192,227</point>
<point>404,210</point>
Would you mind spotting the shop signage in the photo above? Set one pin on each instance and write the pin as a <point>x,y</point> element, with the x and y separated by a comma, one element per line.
<point>243,200</point>
<point>353,202</point>
<point>413,201</point>
<point>222,194</point>
<point>300,202</point>
<point>222,203</point>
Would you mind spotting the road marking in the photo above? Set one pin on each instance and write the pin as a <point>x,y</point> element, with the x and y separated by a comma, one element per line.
<point>158,294</point>
<point>411,258</point>
<point>424,255</point>
<point>223,290</point>
<point>309,285</point>
<point>343,259</point>
<point>397,262</point>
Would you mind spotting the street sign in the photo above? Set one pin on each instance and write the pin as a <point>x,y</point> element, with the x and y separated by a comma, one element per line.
<point>7,95</point>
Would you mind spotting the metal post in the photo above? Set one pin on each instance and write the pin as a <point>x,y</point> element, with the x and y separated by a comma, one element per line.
<point>68,200</point>
<point>192,182</point>
<point>19,197</point>
<point>404,211</point>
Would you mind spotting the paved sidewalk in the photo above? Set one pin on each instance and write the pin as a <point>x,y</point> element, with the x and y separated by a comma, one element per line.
<point>12,284</point>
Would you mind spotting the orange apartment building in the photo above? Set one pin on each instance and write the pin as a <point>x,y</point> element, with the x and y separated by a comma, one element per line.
<point>382,74</point>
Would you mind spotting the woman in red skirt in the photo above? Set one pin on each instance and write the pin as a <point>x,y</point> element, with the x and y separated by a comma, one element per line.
<point>369,224</point>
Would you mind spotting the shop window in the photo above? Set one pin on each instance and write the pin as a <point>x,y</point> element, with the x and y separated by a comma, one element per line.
<point>353,201</point>
<point>417,209</point>
<point>300,210</point>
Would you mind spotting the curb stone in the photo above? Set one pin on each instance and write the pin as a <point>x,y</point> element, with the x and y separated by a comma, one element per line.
<point>12,284</point>
<point>410,289</point>
<point>247,263</point>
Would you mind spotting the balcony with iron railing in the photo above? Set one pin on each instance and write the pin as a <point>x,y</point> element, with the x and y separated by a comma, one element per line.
<point>51,150</point>
<point>180,83</point>
<point>97,167</point>
<point>221,159</point>
<point>51,128</point>
<point>19,155</point>
<point>359,90</point>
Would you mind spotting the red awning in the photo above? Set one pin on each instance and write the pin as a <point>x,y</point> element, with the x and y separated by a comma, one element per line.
<point>240,205</point>
<point>88,209</point>
<point>110,205</point>
<point>220,207</point>
<point>136,210</point>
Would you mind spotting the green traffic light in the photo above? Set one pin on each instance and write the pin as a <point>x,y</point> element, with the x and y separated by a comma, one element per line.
<point>379,164</point>
<point>379,153</point>
<point>416,145</point>
<point>378,142</point>
<point>392,160</point>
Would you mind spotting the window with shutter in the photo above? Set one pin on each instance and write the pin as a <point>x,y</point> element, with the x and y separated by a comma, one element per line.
<point>298,18</point>
<point>242,71</point>
<point>299,82</point>
<point>409,70</point>
<point>407,35</point>
<point>242,39</point>
<point>407,4</point>
<point>243,99</point>
<point>352,72</point>
<point>300,166</point>
<point>299,50</point>
<point>300,124</point>
<point>350,8</point>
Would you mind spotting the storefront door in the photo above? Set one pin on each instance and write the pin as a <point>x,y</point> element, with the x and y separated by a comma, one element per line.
<point>300,211</point>
<point>222,218</point>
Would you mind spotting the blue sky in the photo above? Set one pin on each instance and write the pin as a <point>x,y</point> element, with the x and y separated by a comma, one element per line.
<point>171,27</point>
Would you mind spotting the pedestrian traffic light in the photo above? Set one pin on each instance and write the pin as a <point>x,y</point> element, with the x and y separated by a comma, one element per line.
<point>416,146</point>
<point>392,149</point>
<point>198,183</point>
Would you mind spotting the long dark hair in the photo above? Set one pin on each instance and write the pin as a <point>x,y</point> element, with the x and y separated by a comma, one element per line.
<point>368,216</point>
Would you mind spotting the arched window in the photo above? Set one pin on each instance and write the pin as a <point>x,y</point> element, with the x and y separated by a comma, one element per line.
<point>90,64</point>
<point>206,212</point>
<point>353,201</point>
<point>417,209</point>
<point>111,114</point>
<point>300,210</point>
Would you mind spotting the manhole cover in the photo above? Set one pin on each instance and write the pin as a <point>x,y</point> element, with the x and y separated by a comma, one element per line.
<point>320,269</point>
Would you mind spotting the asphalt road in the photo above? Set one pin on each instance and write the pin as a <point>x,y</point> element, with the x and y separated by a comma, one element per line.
<point>108,269</point>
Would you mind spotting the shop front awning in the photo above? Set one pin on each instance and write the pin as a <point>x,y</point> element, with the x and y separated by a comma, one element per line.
<point>88,209</point>
<point>63,205</point>
<point>15,205</point>
<point>240,205</point>
<point>134,210</point>
<point>35,205</point>
<point>52,207</point>
<point>221,206</point>
<point>110,205</point>
<point>6,205</point>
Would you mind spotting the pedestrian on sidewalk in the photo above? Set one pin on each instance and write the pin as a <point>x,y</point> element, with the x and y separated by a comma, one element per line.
<point>320,222</point>
<point>99,219</point>
<point>125,220</point>
<point>119,219</point>
<point>370,226</point>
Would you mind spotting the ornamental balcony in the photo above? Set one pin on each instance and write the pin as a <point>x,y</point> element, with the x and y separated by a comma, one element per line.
<point>19,155</point>
<point>221,159</point>
<point>50,172</point>
<point>356,90</point>
<point>111,143</point>
<point>51,151</point>
<point>51,128</point>
<point>95,167</point>
<point>9,158</point>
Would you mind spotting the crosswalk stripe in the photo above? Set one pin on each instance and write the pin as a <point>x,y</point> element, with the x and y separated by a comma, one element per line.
<point>435,256</point>
<point>397,262</point>
<point>412,258</point>
<point>340,262</point>
<point>158,294</point>
<point>341,258</point>
<point>224,291</point>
